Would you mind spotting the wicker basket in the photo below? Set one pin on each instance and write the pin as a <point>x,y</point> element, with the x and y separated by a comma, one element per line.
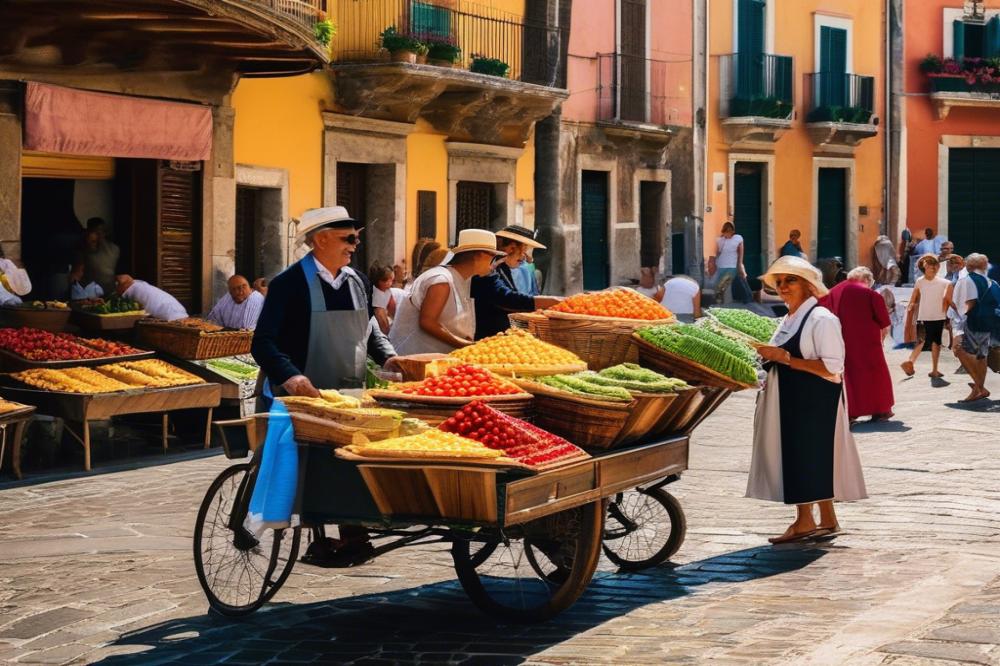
<point>190,343</point>
<point>535,323</point>
<point>658,359</point>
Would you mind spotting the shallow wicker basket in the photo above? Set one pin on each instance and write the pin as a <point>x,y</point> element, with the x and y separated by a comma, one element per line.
<point>190,343</point>
<point>658,359</point>
<point>600,341</point>
<point>535,323</point>
<point>434,410</point>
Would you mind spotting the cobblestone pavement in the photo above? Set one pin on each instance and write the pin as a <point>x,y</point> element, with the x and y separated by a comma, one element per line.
<point>99,569</point>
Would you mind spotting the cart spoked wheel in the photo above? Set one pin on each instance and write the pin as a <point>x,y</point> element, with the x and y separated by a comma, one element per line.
<point>531,572</point>
<point>643,528</point>
<point>239,572</point>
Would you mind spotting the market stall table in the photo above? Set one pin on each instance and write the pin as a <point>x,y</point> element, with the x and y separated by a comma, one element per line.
<point>16,420</point>
<point>82,408</point>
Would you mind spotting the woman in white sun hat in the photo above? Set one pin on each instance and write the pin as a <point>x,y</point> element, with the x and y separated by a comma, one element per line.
<point>803,451</point>
<point>439,314</point>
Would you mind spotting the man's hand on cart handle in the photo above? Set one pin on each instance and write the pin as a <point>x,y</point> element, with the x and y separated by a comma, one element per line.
<point>300,385</point>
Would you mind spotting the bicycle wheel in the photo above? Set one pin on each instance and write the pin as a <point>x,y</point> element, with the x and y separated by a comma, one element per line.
<point>237,571</point>
<point>643,528</point>
<point>501,580</point>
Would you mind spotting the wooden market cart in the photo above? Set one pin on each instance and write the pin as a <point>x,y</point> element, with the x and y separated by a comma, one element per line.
<point>82,408</point>
<point>12,425</point>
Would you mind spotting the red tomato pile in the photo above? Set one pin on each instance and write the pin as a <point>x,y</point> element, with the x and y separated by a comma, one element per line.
<point>461,381</point>
<point>518,439</point>
<point>38,345</point>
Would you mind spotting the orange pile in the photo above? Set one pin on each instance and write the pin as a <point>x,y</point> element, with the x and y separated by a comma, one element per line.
<point>620,303</point>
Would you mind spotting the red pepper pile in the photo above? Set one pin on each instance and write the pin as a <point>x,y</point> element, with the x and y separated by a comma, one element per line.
<point>37,345</point>
<point>461,381</point>
<point>518,439</point>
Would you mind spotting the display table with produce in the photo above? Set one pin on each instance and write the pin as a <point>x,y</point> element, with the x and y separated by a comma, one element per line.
<point>22,348</point>
<point>46,315</point>
<point>14,417</point>
<point>114,314</point>
<point>237,375</point>
<point>80,395</point>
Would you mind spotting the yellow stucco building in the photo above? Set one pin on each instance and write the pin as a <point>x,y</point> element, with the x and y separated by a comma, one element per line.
<point>794,139</point>
<point>415,150</point>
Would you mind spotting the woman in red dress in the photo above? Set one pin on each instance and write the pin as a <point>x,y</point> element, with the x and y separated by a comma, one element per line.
<point>865,322</point>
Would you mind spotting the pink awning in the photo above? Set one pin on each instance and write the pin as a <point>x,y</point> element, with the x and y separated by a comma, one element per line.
<point>78,122</point>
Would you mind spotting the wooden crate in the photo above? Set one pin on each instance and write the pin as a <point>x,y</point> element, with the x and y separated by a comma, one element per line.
<point>90,321</point>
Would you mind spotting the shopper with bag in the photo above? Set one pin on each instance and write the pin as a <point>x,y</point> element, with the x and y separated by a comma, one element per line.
<point>981,328</point>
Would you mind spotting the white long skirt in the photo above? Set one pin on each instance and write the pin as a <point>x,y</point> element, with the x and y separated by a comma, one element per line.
<point>765,480</point>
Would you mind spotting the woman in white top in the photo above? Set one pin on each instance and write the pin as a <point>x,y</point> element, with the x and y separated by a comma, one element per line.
<point>803,451</point>
<point>727,262</point>
<point>682,296</point>
<point>930,300</point>
<point>439,315</point>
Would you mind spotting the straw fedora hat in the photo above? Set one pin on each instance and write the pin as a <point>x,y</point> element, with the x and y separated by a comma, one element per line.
<point>799,267</point>
<point>475,240</point>
<point>331,217</point>
<point>521,235</point>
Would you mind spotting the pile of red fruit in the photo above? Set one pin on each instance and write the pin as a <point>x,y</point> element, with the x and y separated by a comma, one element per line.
<point>460,381</point>
<point>518,439</point>
<point>37,345</point>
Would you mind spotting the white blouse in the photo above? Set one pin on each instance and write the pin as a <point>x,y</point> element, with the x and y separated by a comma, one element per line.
<point>821,337</point>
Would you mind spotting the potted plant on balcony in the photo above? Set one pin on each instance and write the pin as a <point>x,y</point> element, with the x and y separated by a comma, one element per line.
<point>401,46</point>
<point>443,51</point>
<point>945,74</point>
<point>492,66</point>
<point>324,29</point>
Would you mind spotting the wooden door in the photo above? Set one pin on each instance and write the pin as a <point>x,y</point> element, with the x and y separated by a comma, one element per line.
<point>752,23</point>
<point>748,209</point>
<point>247,224</point>
<point>179,248</point>
<point>473,205</point>
<point>594,218</point>
<point>352,189</point>
<point>831,238</point>
<point>833,67</point>
<point>652,223</point>
<point>632,61</point>
<point>973,200</point>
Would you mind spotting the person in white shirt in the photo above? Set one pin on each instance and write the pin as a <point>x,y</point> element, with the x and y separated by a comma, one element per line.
<point>239,308</point>
<point>727,262</point>
<point>803,451</point>
<point>156,302</point>
<point>682,296</point>
<point>929,299</point>
<point>79,291</point>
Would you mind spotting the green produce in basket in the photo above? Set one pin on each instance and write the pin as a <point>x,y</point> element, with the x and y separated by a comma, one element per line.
<point>703,352</point>
<point>632,377</point>
<point>738,349</point>
<point>233,368</point>
<point>744,321</point>
<point>575,384</point>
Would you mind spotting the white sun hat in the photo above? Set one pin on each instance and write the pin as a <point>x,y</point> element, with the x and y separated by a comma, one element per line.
<point>476,240</point>
<point>332,217</point>
<point>797,266</point>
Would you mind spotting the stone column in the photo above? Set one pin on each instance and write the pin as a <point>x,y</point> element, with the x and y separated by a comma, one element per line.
<point>11,95</point>
<point>219,209</point>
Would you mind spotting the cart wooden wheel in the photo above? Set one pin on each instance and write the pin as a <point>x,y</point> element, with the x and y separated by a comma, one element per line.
<point>502,581</point>
<point>238,572</point>
<point>643,528</point>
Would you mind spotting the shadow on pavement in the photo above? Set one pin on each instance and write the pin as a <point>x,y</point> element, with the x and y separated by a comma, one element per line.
<point>432,623</point>
<point>880,426</point>
<point>984,406</point>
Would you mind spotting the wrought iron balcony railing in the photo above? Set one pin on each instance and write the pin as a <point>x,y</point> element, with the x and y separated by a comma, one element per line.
<point>839,98</point>
<point>305,13</point>
<point>638,89</point>
<point>476,29</point>
<point>755,84</point>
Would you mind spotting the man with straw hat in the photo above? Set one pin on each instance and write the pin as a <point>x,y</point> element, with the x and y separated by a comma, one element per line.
<point>803,451</point>
<point>439,316</point>
<point>496,294</point>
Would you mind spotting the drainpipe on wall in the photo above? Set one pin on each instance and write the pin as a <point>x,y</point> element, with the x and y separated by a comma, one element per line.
<point>896,118</point>
<point>694,223</point>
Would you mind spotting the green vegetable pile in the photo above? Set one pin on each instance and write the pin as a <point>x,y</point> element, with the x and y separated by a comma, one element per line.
<point>616,383</point>
<point>233,369</point>
<point>114,305</point>
<point>632,377</point>
<point>372,380</point>
<point>744,321</point>
<point>727,357</point>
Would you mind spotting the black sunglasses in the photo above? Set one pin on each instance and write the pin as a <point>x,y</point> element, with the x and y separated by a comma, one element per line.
<point>350,239</point>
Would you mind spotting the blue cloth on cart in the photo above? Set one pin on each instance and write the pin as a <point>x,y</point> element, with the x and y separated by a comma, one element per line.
<point>273,500</point>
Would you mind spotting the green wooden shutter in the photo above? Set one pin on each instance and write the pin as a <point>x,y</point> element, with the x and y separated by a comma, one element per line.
<point>992,47</point>
<point>958,41</point>
<point>833,66</point>
<point>750,47</point>
<point>430,19</point>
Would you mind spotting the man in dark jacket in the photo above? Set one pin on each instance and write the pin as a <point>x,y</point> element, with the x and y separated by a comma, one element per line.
<point>496,295</point>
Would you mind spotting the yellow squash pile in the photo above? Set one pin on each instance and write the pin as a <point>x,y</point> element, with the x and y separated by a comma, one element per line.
<point>108,378</point>
<point>428,444</point>
<point>518,351</point>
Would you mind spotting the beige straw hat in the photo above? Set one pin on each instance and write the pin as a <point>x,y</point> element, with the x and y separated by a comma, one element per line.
<point>799,267</point>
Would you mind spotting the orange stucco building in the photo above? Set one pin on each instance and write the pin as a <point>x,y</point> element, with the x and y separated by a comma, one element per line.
<point>948,164</point>
<point>794,136</point>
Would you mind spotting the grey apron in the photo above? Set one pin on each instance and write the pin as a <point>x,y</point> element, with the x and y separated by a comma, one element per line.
<point>338,339</point>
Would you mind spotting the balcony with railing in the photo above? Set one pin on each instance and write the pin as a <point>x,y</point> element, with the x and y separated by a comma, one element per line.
<point>638,94</point>
<point>457,86</point>
<point>756,102</point>
<point>840,108</point>
<point>202,42</point>
<point>962,82</point>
